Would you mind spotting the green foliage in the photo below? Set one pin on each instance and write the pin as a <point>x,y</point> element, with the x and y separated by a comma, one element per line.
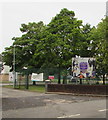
<point>25,46</point>
<point>0,57</point>
<point>100,38</point>
<point>7,56</point>
<point>65,31</point>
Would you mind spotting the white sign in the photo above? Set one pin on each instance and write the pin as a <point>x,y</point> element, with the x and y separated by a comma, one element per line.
<point>85,66</point>
<point>37,77</point>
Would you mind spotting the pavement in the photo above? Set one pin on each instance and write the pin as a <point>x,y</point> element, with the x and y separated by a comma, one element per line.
<point>24,104</point>
<point>75,94</point>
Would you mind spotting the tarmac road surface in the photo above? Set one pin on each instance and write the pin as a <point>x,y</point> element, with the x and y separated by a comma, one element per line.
<point>24,104</point>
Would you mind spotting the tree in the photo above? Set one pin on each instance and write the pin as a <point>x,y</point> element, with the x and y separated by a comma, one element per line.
<point>61,40</point>
<point>100,38</point>
<point>50,46</point>
<point>8,56</point>
<point>0,57</point>
<point>1,63</point>
<point>102,51</point>
<point>24,46</point>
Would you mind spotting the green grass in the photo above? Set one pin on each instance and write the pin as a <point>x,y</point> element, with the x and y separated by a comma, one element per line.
<point>37,88</point>
<point>33,88</point>
<point>6,82</point>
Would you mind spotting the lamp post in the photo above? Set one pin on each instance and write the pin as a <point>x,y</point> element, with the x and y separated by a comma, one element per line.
<point>14,73</point>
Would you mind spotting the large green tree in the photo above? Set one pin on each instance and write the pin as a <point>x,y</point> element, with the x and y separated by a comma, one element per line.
<point>63,38</point>
<point>24,46</point>
<point>102,51</point>
<point>50,46</point>
<point>99,36</point>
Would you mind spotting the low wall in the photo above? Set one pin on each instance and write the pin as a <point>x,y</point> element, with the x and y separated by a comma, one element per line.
<point>78,89</point>
<point>4,77</point>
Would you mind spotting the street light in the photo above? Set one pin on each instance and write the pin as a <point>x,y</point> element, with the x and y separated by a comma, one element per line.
<point>14,73</point>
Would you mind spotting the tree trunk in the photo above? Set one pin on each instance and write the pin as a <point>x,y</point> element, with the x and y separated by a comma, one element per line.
<point>34,82</point>
<point>64,80</point>
<point>103,79</point>
<point>59,75</point>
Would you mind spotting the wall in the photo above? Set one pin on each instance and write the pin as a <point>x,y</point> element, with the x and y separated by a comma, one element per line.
<point>78,89</point>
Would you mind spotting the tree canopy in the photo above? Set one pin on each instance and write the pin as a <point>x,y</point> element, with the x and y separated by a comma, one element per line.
<point>100,38</point>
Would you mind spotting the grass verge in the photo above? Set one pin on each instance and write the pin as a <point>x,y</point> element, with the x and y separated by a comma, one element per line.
<point>32,88</point>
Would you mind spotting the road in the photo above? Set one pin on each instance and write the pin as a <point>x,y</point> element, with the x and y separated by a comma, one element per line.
<point>24,104</point>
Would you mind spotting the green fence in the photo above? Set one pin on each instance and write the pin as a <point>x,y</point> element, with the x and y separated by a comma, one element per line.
<point>24,77</point>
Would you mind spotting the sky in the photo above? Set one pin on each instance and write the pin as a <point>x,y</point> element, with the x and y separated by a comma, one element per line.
<point>13,13</point>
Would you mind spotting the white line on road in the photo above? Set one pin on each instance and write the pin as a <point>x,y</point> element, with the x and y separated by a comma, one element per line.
<point>102,110</point>
<point>69,116</point>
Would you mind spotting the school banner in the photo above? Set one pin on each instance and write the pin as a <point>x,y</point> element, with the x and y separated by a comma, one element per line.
<point>85,66</point>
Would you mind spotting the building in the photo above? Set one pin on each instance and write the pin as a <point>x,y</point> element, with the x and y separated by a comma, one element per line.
<point>4,75</point>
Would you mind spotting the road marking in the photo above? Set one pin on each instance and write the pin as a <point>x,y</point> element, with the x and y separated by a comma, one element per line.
<point>102,110</point>
<point>69,116</point>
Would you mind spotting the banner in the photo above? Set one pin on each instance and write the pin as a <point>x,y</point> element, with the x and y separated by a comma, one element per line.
<point>85,66</point>
<point>37,77</point>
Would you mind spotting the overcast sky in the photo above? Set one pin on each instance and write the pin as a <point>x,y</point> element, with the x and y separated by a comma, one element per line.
<point>13,14</point>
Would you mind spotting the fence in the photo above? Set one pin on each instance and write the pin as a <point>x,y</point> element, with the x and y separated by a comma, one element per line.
<point>61,75</point>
